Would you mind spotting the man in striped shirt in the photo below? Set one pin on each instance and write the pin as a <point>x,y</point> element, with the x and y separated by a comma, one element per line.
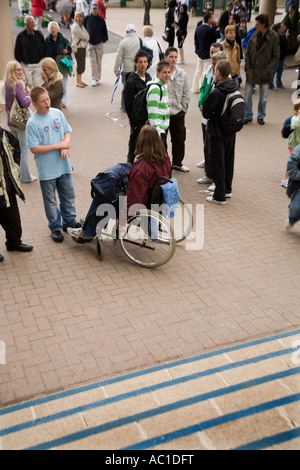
<point>157,100</point>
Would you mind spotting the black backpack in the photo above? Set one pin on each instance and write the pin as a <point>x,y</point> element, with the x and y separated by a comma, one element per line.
<point>233,113</point>
<point>139,115</point>
<point>148,51</point>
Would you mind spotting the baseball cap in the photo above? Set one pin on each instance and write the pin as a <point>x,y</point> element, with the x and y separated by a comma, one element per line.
<point>130,27</point>
<point>94,5</point>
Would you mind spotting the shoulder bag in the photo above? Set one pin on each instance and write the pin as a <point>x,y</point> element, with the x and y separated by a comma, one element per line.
<point>18,115</point>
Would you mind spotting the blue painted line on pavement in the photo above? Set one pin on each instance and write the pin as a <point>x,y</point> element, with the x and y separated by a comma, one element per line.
<point>67,393</point>
<point>270,441</point>
<point>169,407</point>
<point>211,423</point>
<point>134,393</point>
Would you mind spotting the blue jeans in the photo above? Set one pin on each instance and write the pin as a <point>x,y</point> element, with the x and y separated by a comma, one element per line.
<point>262,104</point>
<point>278,72</point>
<point>91,220</point>
<point>65,216</point>
<point>65,83</point>
<point>294,209</point>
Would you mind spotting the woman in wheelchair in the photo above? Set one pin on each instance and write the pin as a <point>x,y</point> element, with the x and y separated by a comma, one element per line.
<point>151,162</point>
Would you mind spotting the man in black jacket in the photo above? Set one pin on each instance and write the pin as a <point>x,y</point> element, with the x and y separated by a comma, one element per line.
<point>135,82</point>
<point>10,220</point>
<point>29,51</point>
<point>221,145</point>
<point>224,19</point>
<point>205,35</point>
<point>96,27</point>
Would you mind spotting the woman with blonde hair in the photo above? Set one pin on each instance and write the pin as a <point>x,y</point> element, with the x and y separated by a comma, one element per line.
<point>53,81</point>
<point>80,41</point>
<point>16,86</point>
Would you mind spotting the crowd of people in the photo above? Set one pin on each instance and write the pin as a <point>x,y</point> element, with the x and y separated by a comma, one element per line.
<point>38,78</point>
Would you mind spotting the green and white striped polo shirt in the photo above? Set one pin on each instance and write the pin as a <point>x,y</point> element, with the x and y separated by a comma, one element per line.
<point>158,108</point>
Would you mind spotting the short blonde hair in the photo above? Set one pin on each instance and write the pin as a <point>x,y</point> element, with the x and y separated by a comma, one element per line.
<point>148,31</point>
<point>78,13</point>
<point>36,92</point>
<point>230,27</point>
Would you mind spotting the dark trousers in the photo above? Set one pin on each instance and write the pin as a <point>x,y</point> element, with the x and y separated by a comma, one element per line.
<point>134,133</point>
<point>206,150</point>
<point>222,164</point>
<point>249,9</point>
<point>147,6</point>
<point>11,223</point>
<point>178,135</point>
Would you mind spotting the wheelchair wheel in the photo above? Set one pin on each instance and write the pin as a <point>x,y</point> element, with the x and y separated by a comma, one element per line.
<point>148,240</point>
<point>99,248</point>
<point>182,222</point>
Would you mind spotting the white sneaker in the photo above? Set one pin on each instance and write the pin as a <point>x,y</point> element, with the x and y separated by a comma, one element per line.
<point>182,168</point>
<point>185,169</point>
<point>95,82</point>
<point>212,187</point>
<point>78,235</point>
<point>227,195</point>
<point>201,164</point>
<point>211,199</point>
<point>204,180</point>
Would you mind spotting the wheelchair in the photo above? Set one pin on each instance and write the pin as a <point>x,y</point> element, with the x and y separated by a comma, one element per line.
<point>150,238</point>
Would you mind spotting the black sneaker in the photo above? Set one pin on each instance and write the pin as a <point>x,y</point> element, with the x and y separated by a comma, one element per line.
<point>77,225</point>
<point>57,236</point>
<point>1,258</point>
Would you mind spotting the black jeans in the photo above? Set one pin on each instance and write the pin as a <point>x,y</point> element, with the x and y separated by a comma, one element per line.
<point>222,164</point>
<point>134,133</point>
<point>11,223</point>
<point>178,136</point>
<point>206,150</point>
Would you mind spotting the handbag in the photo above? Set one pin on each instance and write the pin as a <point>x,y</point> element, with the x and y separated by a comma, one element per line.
<point>18,116</point>
<point>65,64</point>
<point>165,36</point>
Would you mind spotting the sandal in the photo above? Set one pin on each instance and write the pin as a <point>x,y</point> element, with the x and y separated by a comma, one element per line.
<point>80,85</point>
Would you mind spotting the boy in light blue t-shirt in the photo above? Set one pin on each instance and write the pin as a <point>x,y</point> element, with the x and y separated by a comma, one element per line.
<point>49,139</point>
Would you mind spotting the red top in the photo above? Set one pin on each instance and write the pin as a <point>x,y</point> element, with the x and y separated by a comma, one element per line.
<point>142,176</point>
<point>102,8</point>
<point>38,7</point>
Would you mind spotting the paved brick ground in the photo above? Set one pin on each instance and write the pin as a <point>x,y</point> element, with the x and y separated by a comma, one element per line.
<point>67,318</point>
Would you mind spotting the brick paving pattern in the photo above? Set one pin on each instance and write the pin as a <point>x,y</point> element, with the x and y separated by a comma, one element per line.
<point>68,319</point>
